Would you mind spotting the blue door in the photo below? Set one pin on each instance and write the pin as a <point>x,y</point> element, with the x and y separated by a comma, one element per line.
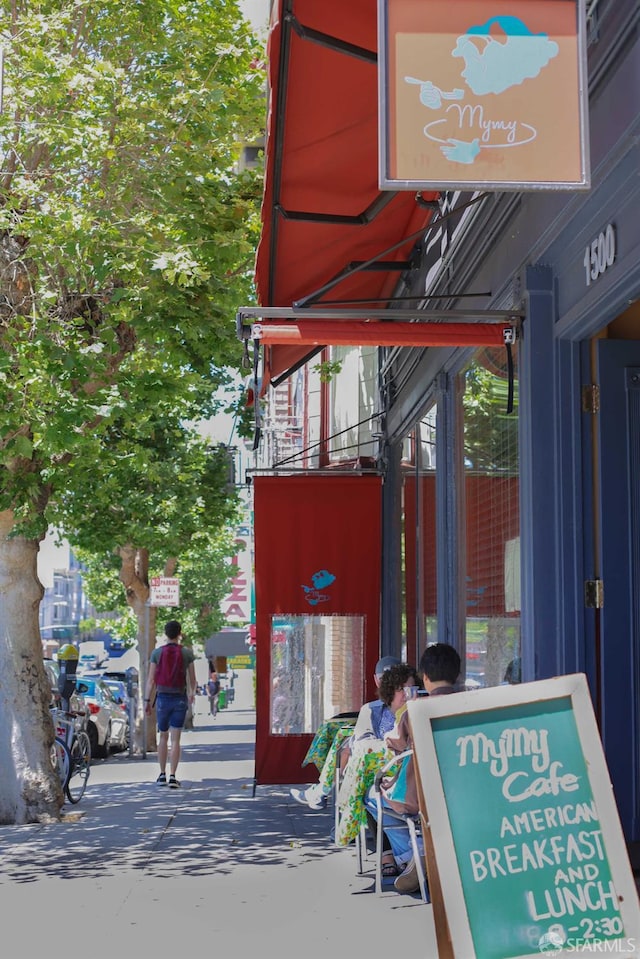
<point>617,493</point>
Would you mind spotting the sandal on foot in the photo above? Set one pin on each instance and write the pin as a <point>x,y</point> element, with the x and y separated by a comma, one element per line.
<point>390,870</point>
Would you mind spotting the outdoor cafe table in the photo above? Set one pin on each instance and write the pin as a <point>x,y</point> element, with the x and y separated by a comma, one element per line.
<point>367,757</point>
<point>324,739</point>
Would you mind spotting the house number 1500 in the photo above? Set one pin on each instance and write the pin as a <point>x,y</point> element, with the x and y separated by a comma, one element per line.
<point>600,254</point>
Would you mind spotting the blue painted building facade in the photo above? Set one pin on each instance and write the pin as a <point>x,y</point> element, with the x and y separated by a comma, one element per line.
<point>569,263</point>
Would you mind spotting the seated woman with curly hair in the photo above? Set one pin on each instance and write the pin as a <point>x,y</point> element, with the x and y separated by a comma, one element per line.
<point>440,668</point>
<point>392,692</point>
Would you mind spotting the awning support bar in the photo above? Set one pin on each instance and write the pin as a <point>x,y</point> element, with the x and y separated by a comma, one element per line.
<point>296,366</point>
<point>419,297</point>
<point>357,219</point>
<point>396,246</point>
<point>384,266</point>
<point>244,329</point>
<point>332,43</point>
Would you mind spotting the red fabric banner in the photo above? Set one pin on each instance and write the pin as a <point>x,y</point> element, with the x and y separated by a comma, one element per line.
<point>317,554</point>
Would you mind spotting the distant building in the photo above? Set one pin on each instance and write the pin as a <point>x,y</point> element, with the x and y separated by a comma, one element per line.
<point>228,648</point>
<point>237,606</point>
<point>65,603</point>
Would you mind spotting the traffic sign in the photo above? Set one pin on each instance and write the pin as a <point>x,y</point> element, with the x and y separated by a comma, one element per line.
<point>164,591</point>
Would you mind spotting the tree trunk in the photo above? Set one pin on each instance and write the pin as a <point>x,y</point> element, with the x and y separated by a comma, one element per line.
<point>134,574</point>
<point>29,790</point>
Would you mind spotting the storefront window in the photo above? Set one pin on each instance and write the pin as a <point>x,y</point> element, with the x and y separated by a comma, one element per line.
<point>419,537</point>
<point>353,393</point>
<point>491,522</point>
<point>316,670</point>
<point>477,520</point>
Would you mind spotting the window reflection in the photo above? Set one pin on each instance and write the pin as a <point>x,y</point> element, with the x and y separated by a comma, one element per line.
<point>316,670</point>
<point>479,523</point>
<point>491,523</point>
<point>420,625</point>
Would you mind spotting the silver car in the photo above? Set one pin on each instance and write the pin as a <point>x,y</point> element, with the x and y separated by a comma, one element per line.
<point>108,726</point>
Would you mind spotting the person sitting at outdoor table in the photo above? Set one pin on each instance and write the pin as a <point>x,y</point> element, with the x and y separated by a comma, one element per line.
<point>394,690</point>
<point>368,755</point>
<point>440,668</point>
<point>374,719</point>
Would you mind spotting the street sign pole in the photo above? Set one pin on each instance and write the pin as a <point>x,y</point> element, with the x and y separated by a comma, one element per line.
<point>163,591</point>
<point>143,677</point>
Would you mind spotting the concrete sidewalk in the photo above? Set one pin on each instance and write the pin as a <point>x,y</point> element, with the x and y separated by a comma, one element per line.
<point>208,869</point>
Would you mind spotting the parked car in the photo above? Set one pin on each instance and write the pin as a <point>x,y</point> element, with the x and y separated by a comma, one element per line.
<point>124,676</point>
<point>117,674</point>
<point>121,696</point>
<point>118,688</point>
<point>87,661</point>
<point>91,662</point>
<point>108,726</point>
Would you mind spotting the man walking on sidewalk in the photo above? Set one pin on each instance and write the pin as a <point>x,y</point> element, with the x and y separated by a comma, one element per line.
<point>172,674</point>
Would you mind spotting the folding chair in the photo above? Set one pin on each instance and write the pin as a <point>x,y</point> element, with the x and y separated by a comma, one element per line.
<point>361,838</point>
<point>361,849</point>
<point>402,821</point>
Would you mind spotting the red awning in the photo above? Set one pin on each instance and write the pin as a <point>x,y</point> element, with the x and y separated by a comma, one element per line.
<point>379,333</point>
<point>322,210</point>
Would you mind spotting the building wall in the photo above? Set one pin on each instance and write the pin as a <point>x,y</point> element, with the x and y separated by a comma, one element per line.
<point>532,252</point>
<point>64,604</point>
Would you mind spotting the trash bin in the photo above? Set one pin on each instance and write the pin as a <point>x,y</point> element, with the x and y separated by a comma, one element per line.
<point>222,699</point>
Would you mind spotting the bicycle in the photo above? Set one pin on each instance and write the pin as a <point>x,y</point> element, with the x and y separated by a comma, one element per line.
<point>61,760</point>
<point>71,754</point>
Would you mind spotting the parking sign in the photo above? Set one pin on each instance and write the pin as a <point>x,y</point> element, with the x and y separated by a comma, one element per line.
<point>165,591</point>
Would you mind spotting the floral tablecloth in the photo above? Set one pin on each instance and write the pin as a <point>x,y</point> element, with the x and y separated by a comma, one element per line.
<point>328,774</point>
<point>323,741</point>
<point>367,757</point>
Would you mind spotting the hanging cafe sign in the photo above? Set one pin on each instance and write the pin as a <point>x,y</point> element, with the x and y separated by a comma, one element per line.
<point>483,94</point>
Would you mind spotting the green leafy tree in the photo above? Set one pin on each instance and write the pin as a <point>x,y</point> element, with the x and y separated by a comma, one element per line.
<point>122,626</point>
<point>490,433</point>
<point>126,241</point>
<point>164,506</point>
<point>205,574</point>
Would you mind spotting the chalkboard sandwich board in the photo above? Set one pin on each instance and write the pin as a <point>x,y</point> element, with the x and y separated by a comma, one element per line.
<point>525,851</point>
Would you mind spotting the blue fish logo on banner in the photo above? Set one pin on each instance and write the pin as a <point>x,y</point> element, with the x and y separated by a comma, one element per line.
<point>320,580</point>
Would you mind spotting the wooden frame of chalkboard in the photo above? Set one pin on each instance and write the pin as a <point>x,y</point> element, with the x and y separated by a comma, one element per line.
<point>524,847</point>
